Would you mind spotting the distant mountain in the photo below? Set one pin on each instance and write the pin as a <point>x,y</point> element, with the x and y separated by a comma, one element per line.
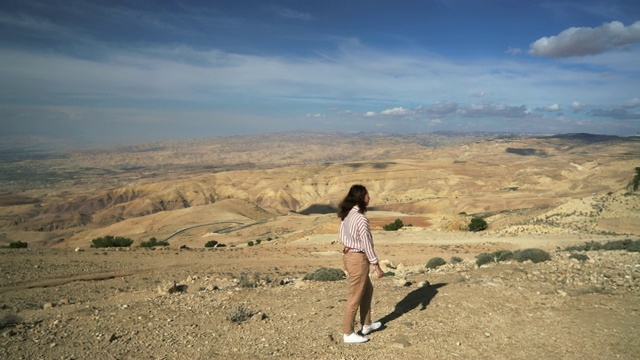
<point>592,138</point>
<point>496,134</point>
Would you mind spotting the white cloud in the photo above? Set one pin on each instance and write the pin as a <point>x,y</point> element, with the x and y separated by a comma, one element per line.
<point>356,77</point>
<point>577,106</point>
<point>633,103</point>
<point>316,115</point>
<point>494,110</point>
<point>397,111</point>
<point>514,51</point>
<point>554,107</point>
<point>292,14</point>
<point>442,108</point>
<point>581,41</point>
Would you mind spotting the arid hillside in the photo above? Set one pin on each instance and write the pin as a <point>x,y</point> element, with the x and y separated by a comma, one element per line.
<point>288,185</point>
<point>61,299</point>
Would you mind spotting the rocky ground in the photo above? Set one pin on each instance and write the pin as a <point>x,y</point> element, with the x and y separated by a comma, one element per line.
<point>241,302</point>
<point>251,302</point>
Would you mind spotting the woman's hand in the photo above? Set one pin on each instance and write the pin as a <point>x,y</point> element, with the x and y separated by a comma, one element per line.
<point>378,270</point>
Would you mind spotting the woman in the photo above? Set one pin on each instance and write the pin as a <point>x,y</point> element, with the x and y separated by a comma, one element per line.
<point>355,235</point>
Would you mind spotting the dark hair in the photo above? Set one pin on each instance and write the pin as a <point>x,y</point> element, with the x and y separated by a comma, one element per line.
<point>354,197</point>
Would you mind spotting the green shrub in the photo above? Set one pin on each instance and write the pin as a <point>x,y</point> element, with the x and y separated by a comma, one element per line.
<point>580,257</point>
<point>455,260</point>
<point>18,245</point>
<point>588,246</point>
<point>503,255</point>
<point>485,258</point>
<point>636,179</point>
<point>211,243</point>
<point>535,255</point>
<point>477,224</point>
<point>250,243</point>
<point>325,274</point>
<point>617,245</point>
<point>153,242</point>
<point>435,262</point>
<point>627,244</point>
<point>394,226</point>
<point>258,242</point>
<point>110,241</point>
<point>389,273</point>
<point>239,313</point>
<point>634,246</point>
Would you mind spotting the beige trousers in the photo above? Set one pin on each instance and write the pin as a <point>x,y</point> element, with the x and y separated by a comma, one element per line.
<point>360,290</point>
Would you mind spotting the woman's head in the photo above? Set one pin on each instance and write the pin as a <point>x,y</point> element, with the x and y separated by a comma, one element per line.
<point>357,195</point>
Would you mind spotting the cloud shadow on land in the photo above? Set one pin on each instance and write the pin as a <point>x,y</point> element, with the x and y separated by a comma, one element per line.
<point>321,209</point>
<point>421,296</point>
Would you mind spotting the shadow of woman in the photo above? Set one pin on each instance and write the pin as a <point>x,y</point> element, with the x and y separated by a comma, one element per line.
<point>421,296</point>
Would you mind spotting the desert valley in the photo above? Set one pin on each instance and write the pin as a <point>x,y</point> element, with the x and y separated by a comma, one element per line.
<point>271,201</point>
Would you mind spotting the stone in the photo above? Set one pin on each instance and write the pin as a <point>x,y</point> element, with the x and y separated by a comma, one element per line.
<point>388,264</point>
<point>400,282</point>
<point>400,342</point>
<point>211,287</point>
<point>259,316</point>
<point>168,287</point>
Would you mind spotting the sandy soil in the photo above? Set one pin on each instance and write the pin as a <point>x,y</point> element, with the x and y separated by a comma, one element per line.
<point>251,302</point>
<point>106,304</point>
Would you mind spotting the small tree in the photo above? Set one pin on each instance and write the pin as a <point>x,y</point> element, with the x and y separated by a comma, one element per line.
<point>110,241</point>
<point>153,242</point>
<point>477,224</point>
<point>394,226</point>
<point>18,245</point>
<point>211,243</point>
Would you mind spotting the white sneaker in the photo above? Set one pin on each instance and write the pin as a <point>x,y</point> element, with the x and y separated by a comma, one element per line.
<point>354,338</point>
<point>373,327</point>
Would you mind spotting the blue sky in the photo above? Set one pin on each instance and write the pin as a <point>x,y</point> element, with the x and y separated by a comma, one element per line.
<point>99,72</point>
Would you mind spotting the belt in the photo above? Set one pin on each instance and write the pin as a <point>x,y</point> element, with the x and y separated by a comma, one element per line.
<point>351,250</point>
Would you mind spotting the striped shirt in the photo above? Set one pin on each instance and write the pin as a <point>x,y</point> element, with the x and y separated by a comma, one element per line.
<point>355,233</point>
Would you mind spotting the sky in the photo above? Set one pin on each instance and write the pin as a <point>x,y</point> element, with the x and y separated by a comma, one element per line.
<point>122,72</point>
